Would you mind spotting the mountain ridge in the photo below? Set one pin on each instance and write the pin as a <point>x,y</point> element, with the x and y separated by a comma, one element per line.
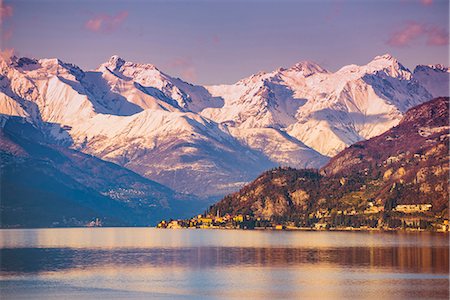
<point>47,185</point>
<point>189,136</point>
<point>407,164</point>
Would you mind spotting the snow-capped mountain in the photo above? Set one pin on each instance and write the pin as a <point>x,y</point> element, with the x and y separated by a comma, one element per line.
<point>209,140</point>
<point>399,166</point>
<point>435,78</point>
<point>324,110</point>
<point>45,185</point>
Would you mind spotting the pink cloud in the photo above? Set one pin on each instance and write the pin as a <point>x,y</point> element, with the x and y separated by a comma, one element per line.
<point>413,31</point>
<point>406,35</point>
<point>422,2</point>
<point>7,54</point>
<point>437,36</point>
<point>106,23</point>
<point>185,67</point>
<point>6,11</point>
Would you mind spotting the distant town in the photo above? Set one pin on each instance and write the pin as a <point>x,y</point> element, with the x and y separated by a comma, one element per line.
<point>415,217</point>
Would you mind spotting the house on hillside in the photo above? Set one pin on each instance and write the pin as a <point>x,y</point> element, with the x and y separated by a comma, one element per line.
<point>412,208</point>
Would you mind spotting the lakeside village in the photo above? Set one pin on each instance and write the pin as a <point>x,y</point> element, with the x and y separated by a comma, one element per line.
<point>415,217</point>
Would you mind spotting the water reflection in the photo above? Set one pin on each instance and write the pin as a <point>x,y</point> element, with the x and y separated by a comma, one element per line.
<point>147,263</point>
<point>150,238</point>
<point>400,259</point>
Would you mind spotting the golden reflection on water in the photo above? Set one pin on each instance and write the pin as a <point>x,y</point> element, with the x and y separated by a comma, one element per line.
<point>224,264</point>
<point>320,281</point>
<point>150,238</point>
<point>419,252</point>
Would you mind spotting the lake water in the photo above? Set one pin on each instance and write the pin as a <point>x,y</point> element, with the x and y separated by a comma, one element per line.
<point>143,263</point>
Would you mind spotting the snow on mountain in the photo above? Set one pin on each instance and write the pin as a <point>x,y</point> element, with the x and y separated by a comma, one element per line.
<point>255,102</point>
<point>279,146</point>
<point>10,107</point>
<point>326,111</point>
<point>44,183</point>
<point>354,103</point>
<point>171,93</point>
<point>109,114</point>
<point>209,140</point>
<point>179,149</point>
<point>435,78</point>
<point>257,110</point>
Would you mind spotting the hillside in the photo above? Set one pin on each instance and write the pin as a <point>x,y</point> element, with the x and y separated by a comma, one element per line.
<point>46,185</point>
<point>408,164</point>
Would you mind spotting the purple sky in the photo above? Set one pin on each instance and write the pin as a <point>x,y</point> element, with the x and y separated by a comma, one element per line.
<point>223,41</point>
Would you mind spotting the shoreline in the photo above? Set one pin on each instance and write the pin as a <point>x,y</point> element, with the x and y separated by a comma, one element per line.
<point>287,228</point>
<point>312,229</point>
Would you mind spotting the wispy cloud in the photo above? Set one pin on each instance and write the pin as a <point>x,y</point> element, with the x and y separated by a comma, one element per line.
<point>437,36</point>
<point>426,2</point>
<point>105,23</point>
<point>420,2</point>
<point>7,54</point>
<point>412,31</point>
<point>185,67</point>
<point>6,11</point>
<point>406,34</point>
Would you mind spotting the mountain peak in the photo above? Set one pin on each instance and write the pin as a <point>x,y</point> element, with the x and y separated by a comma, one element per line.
<point>386,60</point>
<point>307,68</point>
<point>386,56</point>
<point>116,62</point>
<point>390,65</point>
<point>50,61</point>
<point>437,67</point>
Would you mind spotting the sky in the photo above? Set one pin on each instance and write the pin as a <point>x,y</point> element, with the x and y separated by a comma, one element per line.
<point>223,41</point>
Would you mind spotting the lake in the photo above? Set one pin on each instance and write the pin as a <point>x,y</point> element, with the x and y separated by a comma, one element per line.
<point>143,263</point>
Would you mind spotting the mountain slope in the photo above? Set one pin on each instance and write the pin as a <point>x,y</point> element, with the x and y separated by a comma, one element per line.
<point>210,140</point>
<point>50,185</point>
<point>435,78</point>
<point>326,111</point>
<point>408,164</point>
<point>116,113</point>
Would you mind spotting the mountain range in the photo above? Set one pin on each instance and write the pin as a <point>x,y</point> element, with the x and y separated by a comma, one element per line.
<point>47,185</point>
<point>210,140</point>
<point>408,164</point>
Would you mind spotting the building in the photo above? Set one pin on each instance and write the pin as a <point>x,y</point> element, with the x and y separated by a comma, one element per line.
<point>444,226</point>
<point>205,220</point>
<point>239,218</point>
<point>373,209</point>
<point>174,225</point>
<point>96,223</point>
<point>412,208</point>
<point>162,224</point>
<point>320,226</point>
